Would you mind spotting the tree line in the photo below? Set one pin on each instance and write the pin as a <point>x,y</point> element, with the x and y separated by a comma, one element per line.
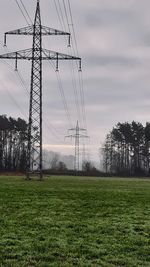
<point>126,150</point>
<point>13,151</point>
<point>13,144</point>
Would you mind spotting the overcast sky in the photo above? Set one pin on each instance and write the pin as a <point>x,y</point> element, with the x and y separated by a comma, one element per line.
<point>113,38</point>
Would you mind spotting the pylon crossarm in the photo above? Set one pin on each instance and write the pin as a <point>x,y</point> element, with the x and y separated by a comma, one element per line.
<point>46,55</point>
<point>79,135</point>
<point>29,30</point>
<point>69,136</point>
<point>22,54</point>
<point>49,54</point>
<point>83,136</point>
<point>52,55</point>
<point>82,129</point>
<point>22,31</point>
<point>50,31</point>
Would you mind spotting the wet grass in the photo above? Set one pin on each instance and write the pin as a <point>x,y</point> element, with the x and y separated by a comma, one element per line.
<point>74,221</point>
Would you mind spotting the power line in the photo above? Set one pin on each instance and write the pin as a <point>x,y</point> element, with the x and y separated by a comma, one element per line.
<point>65,9</point>
<point>74,83</point>
<point>18,74</point>
<point>23,84</point>
<point>26,11</point>
<point>22,12</point>
<point>14,101</point>
<point>62,22</point>
<point>62,17</point>
<point>49,126</point>
<point>72,69</point>
<point>57,74</point>
<point>81,85</point>
<point>58,14</point>
<point>52,130</point>
<point>60,86</point>
<point>72,25</point>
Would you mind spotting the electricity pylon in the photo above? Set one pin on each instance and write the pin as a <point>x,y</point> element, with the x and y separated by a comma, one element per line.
<point>77,136</point>
<point>36,54</point>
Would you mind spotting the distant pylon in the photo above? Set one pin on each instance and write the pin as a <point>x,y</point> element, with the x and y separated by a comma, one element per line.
<point>76,135</point>
<point>36,54</point>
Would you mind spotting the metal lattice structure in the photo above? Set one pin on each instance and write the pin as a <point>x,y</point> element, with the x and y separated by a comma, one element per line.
<point>77,136</point>
<point>36,54</point>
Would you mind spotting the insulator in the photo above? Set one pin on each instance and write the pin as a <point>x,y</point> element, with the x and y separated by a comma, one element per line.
<point>16,65</point>
<point>80,67</point>
<point>5,40</point>
<point>69,41</point>
<point>57,64</point>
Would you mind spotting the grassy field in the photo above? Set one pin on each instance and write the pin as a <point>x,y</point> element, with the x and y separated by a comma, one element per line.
<point>72,221</point>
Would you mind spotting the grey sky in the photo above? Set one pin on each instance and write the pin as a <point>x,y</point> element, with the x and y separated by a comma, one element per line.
<point>114,41</point>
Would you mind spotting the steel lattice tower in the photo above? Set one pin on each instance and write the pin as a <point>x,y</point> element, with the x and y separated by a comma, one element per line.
<point>36,54</point>
<point>77,136</point>
<point>34,153</point>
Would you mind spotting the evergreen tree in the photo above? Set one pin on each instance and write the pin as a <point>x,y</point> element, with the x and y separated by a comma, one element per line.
<point>13,144</point>
<point>127,149</point>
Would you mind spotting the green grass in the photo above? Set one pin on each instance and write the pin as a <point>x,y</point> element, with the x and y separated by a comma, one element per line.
<point>71,221</point>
